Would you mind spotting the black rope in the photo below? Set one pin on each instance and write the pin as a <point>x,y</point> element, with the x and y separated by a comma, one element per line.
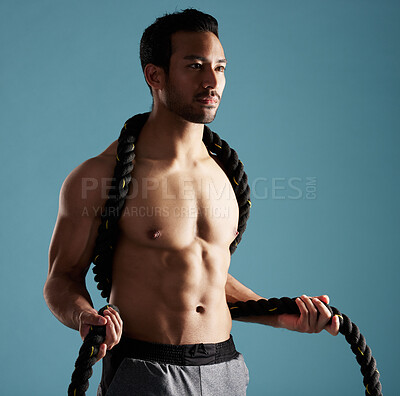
<point>276,306</point>
<point>108,236</point>
<point>108,229</point>
<point>87,357</point>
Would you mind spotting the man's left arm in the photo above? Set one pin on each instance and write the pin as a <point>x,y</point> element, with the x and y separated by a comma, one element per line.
<point>313,318</point>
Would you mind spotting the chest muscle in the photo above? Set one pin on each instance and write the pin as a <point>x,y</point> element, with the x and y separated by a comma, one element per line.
<point>172,209</point>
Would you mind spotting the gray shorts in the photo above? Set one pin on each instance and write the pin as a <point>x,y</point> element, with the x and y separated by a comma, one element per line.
<point>203,369</point>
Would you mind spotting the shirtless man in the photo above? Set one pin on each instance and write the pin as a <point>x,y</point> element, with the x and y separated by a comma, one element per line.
<point>170,272</point>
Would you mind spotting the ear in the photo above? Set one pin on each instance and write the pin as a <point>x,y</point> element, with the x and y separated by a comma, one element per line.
<point>155,76</point>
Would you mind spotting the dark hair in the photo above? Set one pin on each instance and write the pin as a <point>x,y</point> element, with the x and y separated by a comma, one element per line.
<point>155,44</point>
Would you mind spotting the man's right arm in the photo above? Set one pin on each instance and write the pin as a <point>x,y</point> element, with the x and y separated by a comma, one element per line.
<point>71,249</point>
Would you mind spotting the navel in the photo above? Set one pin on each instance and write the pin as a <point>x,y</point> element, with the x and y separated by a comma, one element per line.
<point>200,309</point>
<point>154,234</point>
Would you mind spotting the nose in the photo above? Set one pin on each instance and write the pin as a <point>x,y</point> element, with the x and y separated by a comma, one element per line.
<point>210,79</point>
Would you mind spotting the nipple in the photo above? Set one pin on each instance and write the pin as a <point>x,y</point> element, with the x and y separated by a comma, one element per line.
<point>236,233</point>
<point>154,234</point>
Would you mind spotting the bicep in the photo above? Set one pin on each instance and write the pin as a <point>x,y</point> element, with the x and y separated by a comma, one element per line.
<point>72,245</point>
<point>75,231</point>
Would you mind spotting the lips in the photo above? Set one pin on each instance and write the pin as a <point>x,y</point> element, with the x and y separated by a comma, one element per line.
<point>208,100</point>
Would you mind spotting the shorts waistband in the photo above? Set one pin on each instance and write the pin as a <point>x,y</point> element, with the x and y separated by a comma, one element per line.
<point>182,355</point>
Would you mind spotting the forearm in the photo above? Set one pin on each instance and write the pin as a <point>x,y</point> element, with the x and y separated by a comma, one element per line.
<point>66,299</point>
<point>236,291</point>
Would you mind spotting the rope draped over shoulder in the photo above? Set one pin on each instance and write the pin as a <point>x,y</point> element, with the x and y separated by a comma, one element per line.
<point>108,236</point>
<point>108,229</point>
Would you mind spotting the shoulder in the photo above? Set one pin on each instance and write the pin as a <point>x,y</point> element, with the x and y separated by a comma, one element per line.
<point>217,161</point>
<point>87,182</point>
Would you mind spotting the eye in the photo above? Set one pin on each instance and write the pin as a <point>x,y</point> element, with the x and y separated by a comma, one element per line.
<point>220,68</point>
<point>195,66</point>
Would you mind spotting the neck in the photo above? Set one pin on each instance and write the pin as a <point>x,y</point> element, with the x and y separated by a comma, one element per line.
<point>166,136</point>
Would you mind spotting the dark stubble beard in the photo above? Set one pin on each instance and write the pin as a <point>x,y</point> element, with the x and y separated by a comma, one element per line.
<point>186,110</point>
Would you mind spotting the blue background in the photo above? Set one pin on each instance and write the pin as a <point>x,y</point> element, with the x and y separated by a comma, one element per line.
<point>312,91</point>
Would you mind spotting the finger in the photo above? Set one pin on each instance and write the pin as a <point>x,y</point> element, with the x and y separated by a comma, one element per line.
<point>111,335</point>
<point>117,325</point>
<point>312,313</point>
<point>102,352</point>
<point>92,319</point>
<point>324,315</point>
<point>115,318</point>
<point>324,298</point>
<point>303,319</point>
<point>88,319</point>
<point>117,315</point>
<point>335,325</point>
<point>333,328</point>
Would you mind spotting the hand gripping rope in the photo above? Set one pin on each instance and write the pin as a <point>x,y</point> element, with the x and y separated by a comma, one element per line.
<point>273,306</point>
<point>108,235</point>
<point>87,357</point>
<point>276,306</point>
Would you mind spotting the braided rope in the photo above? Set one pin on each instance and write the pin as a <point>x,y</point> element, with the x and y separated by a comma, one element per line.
<point>87,358</point>
<point>276,306</point>
<point>108,235</point>
<point>238,178</point>
<point>108,229</point>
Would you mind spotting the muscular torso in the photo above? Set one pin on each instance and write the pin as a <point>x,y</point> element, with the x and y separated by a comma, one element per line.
<point>172,258</point>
